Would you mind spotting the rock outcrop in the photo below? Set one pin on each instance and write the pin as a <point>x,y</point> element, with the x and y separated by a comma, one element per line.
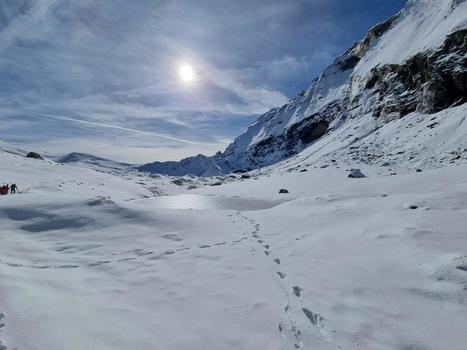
<point>34,155</point>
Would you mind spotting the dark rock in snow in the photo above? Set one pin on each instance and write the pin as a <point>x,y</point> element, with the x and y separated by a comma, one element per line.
<point>283,190</point>
<point>216,184</point>
<point>356,174</point>
<point>34,155</point>
<point>177,182</point>
<point>303,170</point>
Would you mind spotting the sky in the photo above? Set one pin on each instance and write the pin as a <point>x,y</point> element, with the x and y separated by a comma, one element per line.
<point>102,77</point>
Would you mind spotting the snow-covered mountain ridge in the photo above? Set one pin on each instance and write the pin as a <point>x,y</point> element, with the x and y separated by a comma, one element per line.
<point>413,62</point>
<point>93,162</point>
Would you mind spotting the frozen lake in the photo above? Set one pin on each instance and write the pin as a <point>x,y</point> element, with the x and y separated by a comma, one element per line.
<point>199,202</point>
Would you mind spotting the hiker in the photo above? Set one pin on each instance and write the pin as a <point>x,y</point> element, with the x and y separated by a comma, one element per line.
<point>13,188</point>
<point>5,189</point>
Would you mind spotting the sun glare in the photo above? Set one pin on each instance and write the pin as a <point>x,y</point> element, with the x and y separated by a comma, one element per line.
<point>186,73</point>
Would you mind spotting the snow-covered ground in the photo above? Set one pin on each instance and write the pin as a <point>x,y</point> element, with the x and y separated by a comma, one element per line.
<point>88,261</point>
<point>94,256</point>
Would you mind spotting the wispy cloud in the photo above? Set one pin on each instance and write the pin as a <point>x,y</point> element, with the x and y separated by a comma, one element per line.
<point>22,26</point>
<point>79,71</point>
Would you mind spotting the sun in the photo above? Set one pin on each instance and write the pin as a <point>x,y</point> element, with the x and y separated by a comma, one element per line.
<point>186,73</point>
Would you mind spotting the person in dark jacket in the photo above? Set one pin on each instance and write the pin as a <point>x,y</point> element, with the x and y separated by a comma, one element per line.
<point>13,188</point>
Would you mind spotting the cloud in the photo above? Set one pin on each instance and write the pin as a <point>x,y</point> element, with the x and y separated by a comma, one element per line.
<point>79,71</point>
<point>22,26</point>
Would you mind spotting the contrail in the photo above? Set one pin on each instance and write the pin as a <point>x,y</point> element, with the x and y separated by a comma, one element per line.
<point>117,127</point>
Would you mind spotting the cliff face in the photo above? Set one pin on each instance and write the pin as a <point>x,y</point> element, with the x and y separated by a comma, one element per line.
<point>414,61</point>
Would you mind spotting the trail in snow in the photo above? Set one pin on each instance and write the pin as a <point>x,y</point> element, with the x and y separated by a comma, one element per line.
<point>130,255</point>
<point>292,293</point>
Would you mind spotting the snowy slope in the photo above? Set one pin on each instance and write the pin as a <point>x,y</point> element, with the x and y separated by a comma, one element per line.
<point>93,162</point>
<point>199,165</point>
<point>415,61</point>
<point>422,25</point>
<point>88,261</point>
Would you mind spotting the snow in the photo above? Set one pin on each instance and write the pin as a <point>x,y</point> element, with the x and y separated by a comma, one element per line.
<point>91,260</point>
<point>422,25</point>
<point>297,255</point>
<point>93,162</point>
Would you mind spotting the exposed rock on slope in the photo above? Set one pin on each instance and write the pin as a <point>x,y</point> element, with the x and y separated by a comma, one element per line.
<point>415,61</point>
<point>34,155</point>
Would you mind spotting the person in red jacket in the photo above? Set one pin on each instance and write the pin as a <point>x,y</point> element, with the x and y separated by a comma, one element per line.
<point>4,190</point>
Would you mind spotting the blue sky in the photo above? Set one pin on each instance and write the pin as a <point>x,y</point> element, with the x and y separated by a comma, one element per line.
<point>102,77</point>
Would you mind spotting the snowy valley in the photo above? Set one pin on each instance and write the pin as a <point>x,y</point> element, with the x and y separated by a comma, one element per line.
<point>365,248</point>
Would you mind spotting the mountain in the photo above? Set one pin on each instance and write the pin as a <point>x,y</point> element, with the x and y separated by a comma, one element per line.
<point>199,165</point>
<point>413,62</point>
<point>93,162</point>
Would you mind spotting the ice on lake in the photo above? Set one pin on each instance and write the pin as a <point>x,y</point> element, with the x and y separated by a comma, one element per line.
<point>200,202</point>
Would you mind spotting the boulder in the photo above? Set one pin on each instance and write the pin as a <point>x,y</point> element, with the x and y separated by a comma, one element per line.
<point>356,174</point>
<point>283,191</point>
<point>34,155</point>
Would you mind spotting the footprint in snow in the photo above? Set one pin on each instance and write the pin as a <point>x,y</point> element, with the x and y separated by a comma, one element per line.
<point>13,264</point>
<point>281,274</point>
<point>315,319</point>
<point>297,291</point>
<point>141,252</point>
<point>98,263</point>
<point>126,259</point>
<point>69,266</point>
<point>40,267</point>
<point>182,249</point>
